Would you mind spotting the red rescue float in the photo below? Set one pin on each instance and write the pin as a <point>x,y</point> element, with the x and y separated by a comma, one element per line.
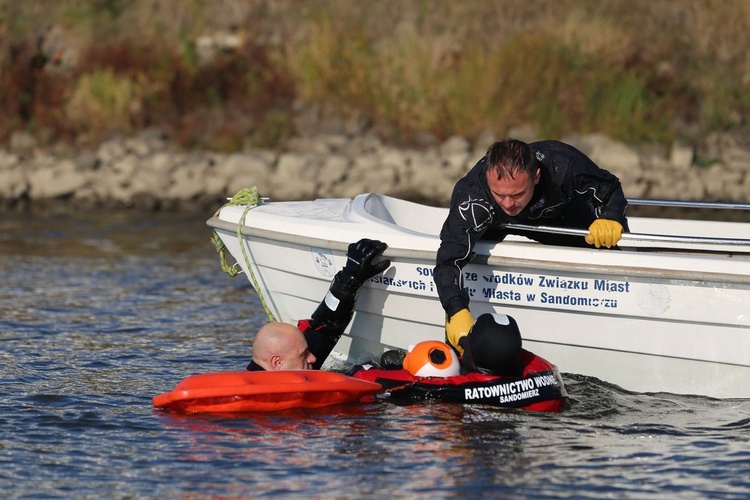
<point>259,391</point>
<point>540,388</point>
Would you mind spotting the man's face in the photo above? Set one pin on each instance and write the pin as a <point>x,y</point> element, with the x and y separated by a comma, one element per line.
<point>298,357</point>
<point>512,193</point>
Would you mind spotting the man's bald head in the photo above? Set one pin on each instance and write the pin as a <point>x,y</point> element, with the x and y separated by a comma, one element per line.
<point>281,346</point>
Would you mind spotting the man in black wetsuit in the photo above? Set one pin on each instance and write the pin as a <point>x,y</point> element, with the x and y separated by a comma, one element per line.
<point>543,183</point>
<point>281,346</point>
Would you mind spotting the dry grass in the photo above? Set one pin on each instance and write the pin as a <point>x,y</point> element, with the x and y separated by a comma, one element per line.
<point>638,70</point>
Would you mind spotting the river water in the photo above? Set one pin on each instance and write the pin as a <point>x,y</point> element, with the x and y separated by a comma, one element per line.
<point>100,312</point>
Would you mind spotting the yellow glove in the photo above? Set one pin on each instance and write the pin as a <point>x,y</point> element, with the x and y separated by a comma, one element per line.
<point>604,233</point>
<point>457,327</point>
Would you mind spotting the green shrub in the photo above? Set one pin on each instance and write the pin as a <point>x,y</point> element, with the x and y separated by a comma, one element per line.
<point>102,99</point>
<point>638,71</point>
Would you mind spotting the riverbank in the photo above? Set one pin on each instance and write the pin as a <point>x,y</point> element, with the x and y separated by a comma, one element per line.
<point>146,172</point>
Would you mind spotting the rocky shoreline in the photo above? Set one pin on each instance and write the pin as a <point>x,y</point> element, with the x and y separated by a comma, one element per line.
<point>145,172</point>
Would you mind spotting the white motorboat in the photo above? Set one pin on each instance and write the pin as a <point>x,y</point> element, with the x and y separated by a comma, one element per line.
<point>669,312</point>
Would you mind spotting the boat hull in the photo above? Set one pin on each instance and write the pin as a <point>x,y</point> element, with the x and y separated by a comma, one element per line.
<point>675,321</point>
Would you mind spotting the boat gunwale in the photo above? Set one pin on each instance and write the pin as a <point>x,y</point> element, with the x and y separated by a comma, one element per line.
<point>491,260</point>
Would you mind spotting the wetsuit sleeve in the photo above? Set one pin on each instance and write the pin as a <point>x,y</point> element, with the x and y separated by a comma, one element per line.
<point>601,187</point>
<point>334,313</point>
<point>327,324</point>
<point>468,218</point>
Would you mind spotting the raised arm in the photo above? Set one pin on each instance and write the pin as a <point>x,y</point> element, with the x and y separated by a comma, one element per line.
<point>324,329</point>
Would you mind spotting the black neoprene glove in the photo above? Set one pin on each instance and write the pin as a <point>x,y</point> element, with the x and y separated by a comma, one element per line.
<point>360,257</point>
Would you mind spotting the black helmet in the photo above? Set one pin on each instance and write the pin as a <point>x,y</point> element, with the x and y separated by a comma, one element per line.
<point>493,346</point>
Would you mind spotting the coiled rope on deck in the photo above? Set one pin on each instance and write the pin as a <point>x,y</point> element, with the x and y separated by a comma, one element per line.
<point>251,199</point>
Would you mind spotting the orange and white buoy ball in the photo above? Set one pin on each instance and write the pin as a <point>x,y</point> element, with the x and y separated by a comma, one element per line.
<point>432,358</point>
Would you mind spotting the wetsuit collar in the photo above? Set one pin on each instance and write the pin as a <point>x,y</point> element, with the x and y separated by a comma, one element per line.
<point>255,367</point>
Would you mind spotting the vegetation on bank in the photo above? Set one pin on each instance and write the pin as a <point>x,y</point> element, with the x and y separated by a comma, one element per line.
<point>226,73</point>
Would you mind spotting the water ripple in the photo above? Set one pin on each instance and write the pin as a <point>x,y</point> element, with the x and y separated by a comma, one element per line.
<point>101,312</point>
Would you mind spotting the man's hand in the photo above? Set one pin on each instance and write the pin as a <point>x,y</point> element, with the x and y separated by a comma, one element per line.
<point>457,327</point>
<point>360,257</point>
<point>604,233</point>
